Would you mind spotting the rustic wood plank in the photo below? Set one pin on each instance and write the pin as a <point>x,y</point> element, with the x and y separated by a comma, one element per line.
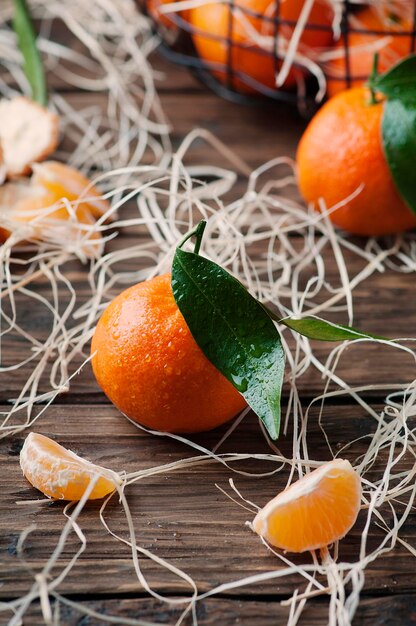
<point>378,611</point>
<point>196,528</point>
<point>255,133</point>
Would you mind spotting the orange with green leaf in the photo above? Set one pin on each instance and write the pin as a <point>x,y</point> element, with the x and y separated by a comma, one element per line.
<point>186,353</point>
<point>148,364</point>
<point>358,153</point>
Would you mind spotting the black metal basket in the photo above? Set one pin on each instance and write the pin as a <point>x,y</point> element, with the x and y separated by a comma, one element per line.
<point>178,36</point>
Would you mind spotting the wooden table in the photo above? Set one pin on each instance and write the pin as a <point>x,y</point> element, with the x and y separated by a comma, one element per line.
<point>182,516</point>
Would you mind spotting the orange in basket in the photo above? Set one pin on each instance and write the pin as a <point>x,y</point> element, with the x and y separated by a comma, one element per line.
<point>390,43</point>
<point>61,474</point>
<point>225,36</point>
<point>149,365</point>
<point>312,513</point>
<point>168,20</point>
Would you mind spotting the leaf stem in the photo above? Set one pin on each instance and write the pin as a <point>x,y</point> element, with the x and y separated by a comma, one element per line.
<point>373,79</point>
<point>32,63</point>
<point>198,232</point>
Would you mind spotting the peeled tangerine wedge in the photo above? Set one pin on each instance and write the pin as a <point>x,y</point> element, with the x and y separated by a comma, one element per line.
<point>61,474</point>
<point>28,133</point>
<point>317,510</point>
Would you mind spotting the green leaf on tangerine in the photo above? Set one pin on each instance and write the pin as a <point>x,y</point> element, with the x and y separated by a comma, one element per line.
<point>234,332</point>
<point>399,144</point>
<point>399,82</point>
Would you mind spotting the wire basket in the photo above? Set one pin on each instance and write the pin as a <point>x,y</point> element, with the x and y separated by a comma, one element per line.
<point>286,50</point>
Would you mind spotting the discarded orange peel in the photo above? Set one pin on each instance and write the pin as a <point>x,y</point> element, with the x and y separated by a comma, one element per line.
<point>13,194</point>
<point>40,201</point>
<point>312,513</point>
<point>64,181</point>
<point>28,133</point>
<point>61,474</point>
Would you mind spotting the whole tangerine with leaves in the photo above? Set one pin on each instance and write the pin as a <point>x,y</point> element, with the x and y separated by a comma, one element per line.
<point>313,512</point>
<point>225,36</point>
<point>148,364</point>
<point>389,28</point>
<point>341,161</point>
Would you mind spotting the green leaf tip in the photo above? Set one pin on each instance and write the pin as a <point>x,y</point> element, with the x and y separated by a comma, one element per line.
<point>32,63</point>
<point>321,330</point>
<point>232,329</point>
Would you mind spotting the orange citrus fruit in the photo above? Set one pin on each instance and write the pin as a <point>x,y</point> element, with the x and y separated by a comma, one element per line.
<point>317,510</point>
<point>168,20</point>
<point>148,364</point>
<point>219,26</point>
<point>59,473</point>
<point>341,151</point>
<point>318,30</point>
<point>390,45</point>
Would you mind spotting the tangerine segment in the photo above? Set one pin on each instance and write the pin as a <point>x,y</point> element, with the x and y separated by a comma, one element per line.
<point>61,474</point>
<point>64,181</point>
<point>149,365</point>
<point>317,510</point>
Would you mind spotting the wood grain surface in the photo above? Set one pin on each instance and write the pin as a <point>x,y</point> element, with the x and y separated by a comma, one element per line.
<point>183,516</point>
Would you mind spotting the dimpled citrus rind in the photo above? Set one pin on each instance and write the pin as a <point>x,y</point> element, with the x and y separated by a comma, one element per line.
<point>148,364</point>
